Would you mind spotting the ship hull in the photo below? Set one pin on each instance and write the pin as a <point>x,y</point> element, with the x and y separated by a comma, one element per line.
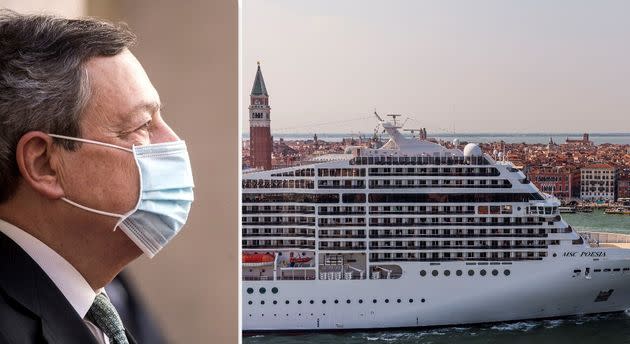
<point>543,289</point>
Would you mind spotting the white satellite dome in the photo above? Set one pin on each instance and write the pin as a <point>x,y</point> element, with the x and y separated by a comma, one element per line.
<point>472,149</point>
<point>456,142</point>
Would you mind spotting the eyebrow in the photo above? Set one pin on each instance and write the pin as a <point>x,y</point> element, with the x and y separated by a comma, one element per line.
<point>130,117</point>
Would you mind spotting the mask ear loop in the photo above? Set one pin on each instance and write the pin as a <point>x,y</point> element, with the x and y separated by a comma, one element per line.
<point>91,141</point>
<point>121,217</point>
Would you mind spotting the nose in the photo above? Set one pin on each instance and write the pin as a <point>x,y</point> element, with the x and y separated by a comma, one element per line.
<point>163,133</point>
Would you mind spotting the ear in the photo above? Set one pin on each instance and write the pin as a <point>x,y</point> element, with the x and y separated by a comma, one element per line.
<point>33,155</point>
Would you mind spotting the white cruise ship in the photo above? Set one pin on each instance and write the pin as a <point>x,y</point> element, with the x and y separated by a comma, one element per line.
<point>414,234</point>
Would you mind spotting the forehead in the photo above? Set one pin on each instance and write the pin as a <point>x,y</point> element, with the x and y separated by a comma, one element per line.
<point>119,87</point>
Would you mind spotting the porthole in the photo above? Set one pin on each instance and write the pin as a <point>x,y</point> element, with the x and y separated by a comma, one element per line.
<point>434,273</point>
<point>410,300</point>
<point>386,300</point>
<point>275,315</point>
<point>274,290</point>
<point>471,272</point>
<point>311,314</point>
<point>311,302</point>
<point>299,302</point>
<point>250,315</point>
<point>262,315</point>
<point>495,272</point>
<point>275,302</point>
<point>348,301</point>
<point>482,272</point>
<point>506,272</point>
<point>249,302</point>
<point>423,273</point>
<point>555,254</point>
<point>323,302</point>
<point>374,301</point>
<point>262,290</point>
<point>399,300</point>
<point>250,290</point>
<point>336,301</point>
<point>447,272</point>
<point>360,300</point>
<point>286,302</point>
<point>262,302</point>
<point>422,300</point>
<point>458,272</point>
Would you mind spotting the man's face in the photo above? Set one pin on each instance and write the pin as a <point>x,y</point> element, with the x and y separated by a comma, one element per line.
<point>124,110</point>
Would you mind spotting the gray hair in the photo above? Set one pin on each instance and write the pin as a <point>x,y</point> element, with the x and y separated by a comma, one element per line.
<point>43,81</point>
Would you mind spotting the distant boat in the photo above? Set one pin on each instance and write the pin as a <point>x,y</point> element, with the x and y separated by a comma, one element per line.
<point>618,211</point>
<point>567,210</point>
<point>585,209</point>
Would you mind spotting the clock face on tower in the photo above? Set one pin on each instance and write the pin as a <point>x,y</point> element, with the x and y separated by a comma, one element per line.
<point>257,102</point>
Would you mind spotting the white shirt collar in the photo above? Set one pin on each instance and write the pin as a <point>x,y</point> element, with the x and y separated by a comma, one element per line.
<point>69,281</point>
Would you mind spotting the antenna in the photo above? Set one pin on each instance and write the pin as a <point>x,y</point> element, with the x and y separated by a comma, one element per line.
<point>394,116</point>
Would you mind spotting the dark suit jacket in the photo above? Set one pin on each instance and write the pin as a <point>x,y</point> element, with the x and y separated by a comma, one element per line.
<point>32,309</point>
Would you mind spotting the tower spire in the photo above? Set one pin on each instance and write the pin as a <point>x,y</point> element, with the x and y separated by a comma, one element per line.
<point>259,88</point>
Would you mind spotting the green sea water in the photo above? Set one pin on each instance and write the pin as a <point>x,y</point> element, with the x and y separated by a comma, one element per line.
<point>591,329</point>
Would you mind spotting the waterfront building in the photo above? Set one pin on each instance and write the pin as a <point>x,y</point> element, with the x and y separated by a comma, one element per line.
<point>598,182</point>
<point>260,142</point>
<point>623,184</point>
<point>562,182</point>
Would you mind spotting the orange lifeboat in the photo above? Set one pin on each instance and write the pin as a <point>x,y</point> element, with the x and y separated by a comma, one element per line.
<point>257,259</point>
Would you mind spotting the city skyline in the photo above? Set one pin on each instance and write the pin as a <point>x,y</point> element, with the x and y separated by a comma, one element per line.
<point>483,67</point>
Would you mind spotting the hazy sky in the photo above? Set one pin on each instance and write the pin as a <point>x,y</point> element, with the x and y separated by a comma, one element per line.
<point>463,66</point>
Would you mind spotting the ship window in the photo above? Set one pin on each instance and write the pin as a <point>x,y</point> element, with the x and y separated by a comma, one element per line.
<point>506,272</point>
<point>386,300</point>
<point>262,290</point>
<point>458,272</point>
<point>299,302</point>
<point>617,269</point>
<point>250,290</point>
<point>434,273</point>
<point>471,272</point>
<point>597,270</point>
<point>348,301</point>
<point>482,272</point>
<point>286,302</point>
<point>262,302</point>
<point>249,302</point>
<point>274,290</point>
<point>311,302</point>
<point>495,272</point>
<point>422,300</point>
<point>323,302</point>
<point>447,272</point>
<point>422,273</point>
<point>374,301</point>
<point>410,300</point>
<point>360,300</point>
<point>399,300</point>
<point>336,301</point>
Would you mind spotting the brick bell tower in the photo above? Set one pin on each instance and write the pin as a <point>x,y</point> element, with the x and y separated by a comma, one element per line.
<point>260,142</point>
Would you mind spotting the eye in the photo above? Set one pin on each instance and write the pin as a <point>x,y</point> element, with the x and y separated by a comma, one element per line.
<point>146,126</point>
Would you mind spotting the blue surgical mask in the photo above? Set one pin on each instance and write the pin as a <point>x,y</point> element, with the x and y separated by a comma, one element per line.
<point>166,194</point>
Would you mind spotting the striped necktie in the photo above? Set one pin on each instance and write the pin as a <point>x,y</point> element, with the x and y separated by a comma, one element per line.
<point>104,315</point>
